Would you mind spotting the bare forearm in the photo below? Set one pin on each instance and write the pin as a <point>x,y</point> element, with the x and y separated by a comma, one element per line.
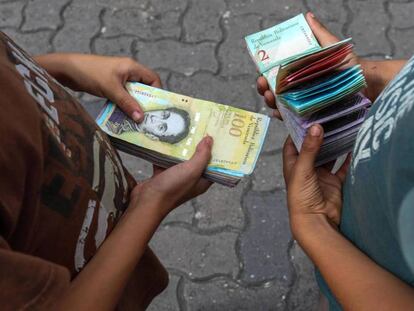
<point>69,69</point>
<point>379,73</point>
<point>58,65</point>
<point>356,281</point>
<point>102,281</point>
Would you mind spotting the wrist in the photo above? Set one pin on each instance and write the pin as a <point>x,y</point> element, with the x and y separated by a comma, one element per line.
<point>309,227</point>
<point>374,77</point>
<point>143,199</point>
<point>379,74</point>
<point>151,211</point>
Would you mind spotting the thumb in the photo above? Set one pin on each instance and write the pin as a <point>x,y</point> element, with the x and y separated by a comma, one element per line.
<point>127,103</point>
<point>310,149</point>
<point>201,157</point>
<point>323,35</point>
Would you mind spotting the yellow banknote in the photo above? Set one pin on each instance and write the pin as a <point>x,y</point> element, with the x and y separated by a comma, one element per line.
<point>174,124</point>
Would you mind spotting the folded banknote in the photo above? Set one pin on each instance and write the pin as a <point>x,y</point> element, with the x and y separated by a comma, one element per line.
<point>312,84</point>
<point>174,124</point>
<point>281,43</point>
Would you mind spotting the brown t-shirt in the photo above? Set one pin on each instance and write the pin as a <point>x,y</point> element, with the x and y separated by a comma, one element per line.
<point>62,186</point>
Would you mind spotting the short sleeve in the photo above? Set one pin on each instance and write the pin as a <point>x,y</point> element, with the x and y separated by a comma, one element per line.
<point>28,282</point>
<point>406,228</point>
<point>21,148</point>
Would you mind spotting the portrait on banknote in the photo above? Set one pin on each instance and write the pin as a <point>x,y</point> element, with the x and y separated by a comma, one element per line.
<point>174,124</point>
<point>169,125</point>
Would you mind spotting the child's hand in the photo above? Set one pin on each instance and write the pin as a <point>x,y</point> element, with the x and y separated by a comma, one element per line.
<point>102,76</point>
<point>313,193</point>
<point>170,188</point>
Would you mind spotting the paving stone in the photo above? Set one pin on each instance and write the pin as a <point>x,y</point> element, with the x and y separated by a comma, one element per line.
<point>11,14</point>
<point>139,169</point>
<point>264,243</point>
<point>33,43</point>
<point>268,174</point>
<point>403,48</point>
<point>220,207</point>
<point>186,59</point>
<point>402,14</point>
<point>167,300</point>
<point>81,25</point>
<point>122,4</point>
<point>196,255</point>
<point>92,104</point>
<point>304,295</point>
<point>223,294</point>
<point>331,13</point>
<point>183,214</point>
<point>238,92</point>
<point>368,27</point>
<point>233,53</point>
<point>118,46</point>
<point>288,9</point>
<point>276,136</point>
<point>163,6</point>
<point>282,8</point>
<point>202,20</point>
<point>164,76</point>
<point>77,95</point>
<point>37,9</point>
<point>146,24</point>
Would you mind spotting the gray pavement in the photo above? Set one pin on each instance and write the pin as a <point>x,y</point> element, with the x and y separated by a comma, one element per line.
<point>229,249</point>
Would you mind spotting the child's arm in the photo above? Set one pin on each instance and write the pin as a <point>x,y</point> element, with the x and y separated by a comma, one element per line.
<point>100,76</point>
<point>101,283</point>
<point>379,73</point>
<point>356,281</point>
<point>315,201</point>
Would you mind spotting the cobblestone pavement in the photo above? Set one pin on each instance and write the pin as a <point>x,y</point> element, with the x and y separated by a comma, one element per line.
<point>229,249</point>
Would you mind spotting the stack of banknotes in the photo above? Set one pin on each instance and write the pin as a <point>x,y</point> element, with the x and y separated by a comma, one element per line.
<point>174,124</point>
<point>312,84</point>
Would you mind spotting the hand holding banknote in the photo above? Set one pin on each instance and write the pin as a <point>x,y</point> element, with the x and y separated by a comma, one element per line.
<point>169,188</point>
<point>314,194</point>
<point>324,37</point>
<point>101,76</point>
<point>173,125</point>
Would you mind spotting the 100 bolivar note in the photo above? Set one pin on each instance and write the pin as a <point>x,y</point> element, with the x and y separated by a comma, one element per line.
<point>173,125</point>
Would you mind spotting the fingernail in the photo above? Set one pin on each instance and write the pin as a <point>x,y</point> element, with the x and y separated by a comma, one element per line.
<point>311,15</point>
<point>208,140</point>
<point>136,116</point>
<point>315,131</point>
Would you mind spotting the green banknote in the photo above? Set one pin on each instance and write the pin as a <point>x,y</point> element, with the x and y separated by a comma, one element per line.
<point>312,84</point>
<point>174,124</point>
<point>281,43</point>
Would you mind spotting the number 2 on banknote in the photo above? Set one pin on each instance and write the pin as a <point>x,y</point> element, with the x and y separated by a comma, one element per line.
<point>263,55</point>
<point>236,125</point>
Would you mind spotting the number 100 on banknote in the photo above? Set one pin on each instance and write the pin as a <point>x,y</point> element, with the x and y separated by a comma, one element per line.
<point>174,124</point>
